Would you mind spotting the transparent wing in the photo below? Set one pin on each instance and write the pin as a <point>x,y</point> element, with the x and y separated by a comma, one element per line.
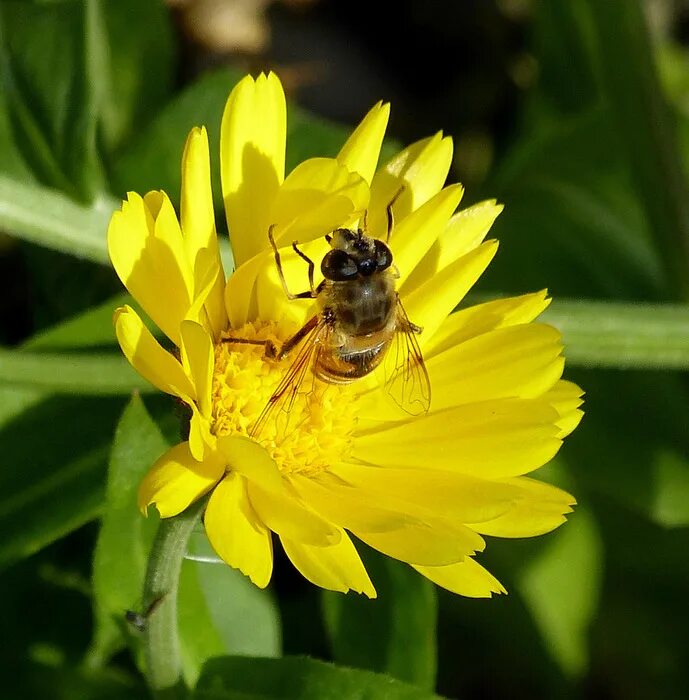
<point>406,377</point>
<point>284,396</point>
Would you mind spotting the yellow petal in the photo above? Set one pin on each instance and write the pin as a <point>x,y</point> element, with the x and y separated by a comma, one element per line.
<point>335,568</point>
<point>476,320</point>
<point>429,304</point>
<point>236,533</point>
<point>566,397</point>
<point>518,361</point>
<point>491,439</point>
<point>198,355</point>
<point>412,238</point>
<point>436,543</point>
<point>198,225</point>
<point>464,232</point>
<point>246,457</point>
<point>252,160</point>
<point>284,513</point>
<point>429,491</point>
<point>177,480</point>
<point>240,293</point>
<point>147,252</point>
<point>360,153</point>
<point>372,518</point>
<point>201,439</point>
<point>349,507</point>
<point>540,508</point>
<point>420,169</point>
<point>318,196</point>
<point>147,356</point>
<point>467,578</point>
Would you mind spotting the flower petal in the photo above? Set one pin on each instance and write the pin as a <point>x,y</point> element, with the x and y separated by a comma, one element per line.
<point>464,232</point>
<point>318,196</point>
<point>250,459</point>
<point>467,578</point>
<point>539,509</point>
<point>176,480</point>
<point>416,233</point>
<point>362,149</point>
<point>566,397</point>
<point>288,516</point>
<point>429,491</point>
<point>147,251</point>
<point>198,355</point>
<point>491,439</point>
<point>421,169</point>
<point>429,304</point>
<point>147,356</point>
<point>236,533</point>
<point>335,568</point>
<point>481,318</point>
<point>198,226</point>
<point>372,518</point>
<point>436,543</point>
<point>518,361</point>
<point>252,160</point>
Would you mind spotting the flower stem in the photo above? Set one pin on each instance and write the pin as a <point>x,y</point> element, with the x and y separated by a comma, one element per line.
<point>622,336</point>
<point>164,668</point>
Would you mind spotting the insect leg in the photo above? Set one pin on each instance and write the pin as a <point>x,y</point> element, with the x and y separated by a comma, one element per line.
<point>388,211</point>
<point>270,348</point>
<point>311,265</point>
<point>302,295</point>
<point>294,340</point>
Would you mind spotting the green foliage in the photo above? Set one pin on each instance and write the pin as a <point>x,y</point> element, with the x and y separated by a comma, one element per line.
<point>235,678</point>
<point>393,634</point>
<point>91,106</point>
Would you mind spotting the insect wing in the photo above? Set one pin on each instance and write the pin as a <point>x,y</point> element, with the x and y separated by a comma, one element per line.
<point>406,377</point>
<point>284,396</point>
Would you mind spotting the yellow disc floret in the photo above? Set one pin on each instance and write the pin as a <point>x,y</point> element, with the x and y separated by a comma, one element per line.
<point>310,426</point>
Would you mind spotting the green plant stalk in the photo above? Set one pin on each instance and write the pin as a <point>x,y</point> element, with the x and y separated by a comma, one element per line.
<point>646,131</point>
<point>622,336</point>
<point>163,664</point>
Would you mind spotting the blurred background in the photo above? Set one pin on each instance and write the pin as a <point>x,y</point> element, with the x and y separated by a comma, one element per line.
<point>574,113</point>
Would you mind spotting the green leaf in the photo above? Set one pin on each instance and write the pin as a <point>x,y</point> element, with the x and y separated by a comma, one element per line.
<point>571,222</point>
<point>93,374</point>
<point>49,69</point>
<point>237,678</point>
<point>90,329</point>
<point>50,218</point>
<point>221,612</point>
<point>54,455</point>
<point>393,634</point>
<point>645,130</point>
<point>152,160</point>
<point>564,605</point>
<point>140,67</point>
<point>125,535</point>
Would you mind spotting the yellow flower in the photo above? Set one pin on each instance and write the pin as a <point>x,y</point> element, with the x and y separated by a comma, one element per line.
<point>422,489</point>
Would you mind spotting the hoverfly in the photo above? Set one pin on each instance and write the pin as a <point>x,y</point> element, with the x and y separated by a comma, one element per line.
<point>359,323</point>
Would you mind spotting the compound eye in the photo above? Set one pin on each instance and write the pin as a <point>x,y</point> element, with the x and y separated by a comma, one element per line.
<point>338,266</point>
<point>383,256</point>
<point>367,266</point>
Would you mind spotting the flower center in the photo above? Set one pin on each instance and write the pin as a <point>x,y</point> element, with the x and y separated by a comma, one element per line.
<point>303,435</point>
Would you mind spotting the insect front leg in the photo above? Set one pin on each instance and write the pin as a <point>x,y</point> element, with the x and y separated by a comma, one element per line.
<point>311,293</point>
<point>390,215</point>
